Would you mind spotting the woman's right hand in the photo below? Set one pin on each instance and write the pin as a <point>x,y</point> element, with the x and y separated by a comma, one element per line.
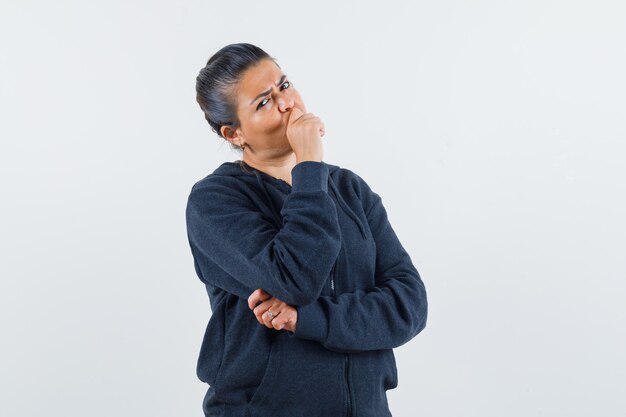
<point>304,132</point>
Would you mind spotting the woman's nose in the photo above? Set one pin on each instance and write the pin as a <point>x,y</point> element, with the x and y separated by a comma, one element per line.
<point>285,102</point>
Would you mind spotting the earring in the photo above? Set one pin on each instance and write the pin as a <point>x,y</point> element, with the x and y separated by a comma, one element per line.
<point>243,146</point>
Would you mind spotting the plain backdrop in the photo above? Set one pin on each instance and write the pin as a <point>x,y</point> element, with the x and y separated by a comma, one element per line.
<point>493,130</point>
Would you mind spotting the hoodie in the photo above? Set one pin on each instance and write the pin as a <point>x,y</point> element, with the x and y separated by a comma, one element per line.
<point>323,245</point>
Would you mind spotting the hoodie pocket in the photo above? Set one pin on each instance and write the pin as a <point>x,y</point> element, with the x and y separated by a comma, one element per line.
<point>302,379</point>
<point>269,376</point>
<point>374,373</point>
<point>211,353</point>
<point>391,361</point>
<point>247,357</point>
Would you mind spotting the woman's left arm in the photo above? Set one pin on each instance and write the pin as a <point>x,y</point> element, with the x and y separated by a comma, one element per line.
<point>385,317</point>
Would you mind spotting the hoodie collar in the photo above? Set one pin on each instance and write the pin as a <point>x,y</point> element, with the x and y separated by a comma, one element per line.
<point>240,168</point>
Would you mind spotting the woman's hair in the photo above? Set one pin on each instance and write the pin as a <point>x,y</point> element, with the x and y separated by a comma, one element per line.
<point>217,81</point>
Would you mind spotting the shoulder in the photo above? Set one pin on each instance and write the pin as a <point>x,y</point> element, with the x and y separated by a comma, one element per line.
<point>225,174</point>
<point>348,175</point>
<point>212,182</point>
<point>220,192</point>
<point>349,181</point>
<point>230,177</point>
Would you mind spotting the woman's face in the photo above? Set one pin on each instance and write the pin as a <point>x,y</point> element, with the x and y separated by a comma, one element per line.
<point>264,99</point>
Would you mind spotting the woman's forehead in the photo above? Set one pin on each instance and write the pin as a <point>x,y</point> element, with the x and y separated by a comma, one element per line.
<point>259,79</point>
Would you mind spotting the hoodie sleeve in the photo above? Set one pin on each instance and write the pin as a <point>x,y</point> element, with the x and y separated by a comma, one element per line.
<point>385,317</point>
<point>228,232</point>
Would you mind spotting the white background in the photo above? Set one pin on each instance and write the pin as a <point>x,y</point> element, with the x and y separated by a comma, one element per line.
<point>493,130</point>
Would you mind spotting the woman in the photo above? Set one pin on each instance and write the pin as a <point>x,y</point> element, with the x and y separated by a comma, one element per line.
<point>309,287</point>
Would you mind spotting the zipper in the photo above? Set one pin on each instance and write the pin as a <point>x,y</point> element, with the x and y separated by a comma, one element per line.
<point>346,357</point>
<point>347,368</point>
<point>332,280</point>
<point>333,273</point>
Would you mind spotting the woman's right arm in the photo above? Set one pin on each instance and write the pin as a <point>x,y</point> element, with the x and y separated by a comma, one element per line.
<point>228,232</point>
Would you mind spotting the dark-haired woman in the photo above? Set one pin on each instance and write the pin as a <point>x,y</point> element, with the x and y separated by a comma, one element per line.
<point>310,288</point>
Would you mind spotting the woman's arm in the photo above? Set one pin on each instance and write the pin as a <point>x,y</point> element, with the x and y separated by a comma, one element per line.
<point>236,248</point>
<point>385,317</point>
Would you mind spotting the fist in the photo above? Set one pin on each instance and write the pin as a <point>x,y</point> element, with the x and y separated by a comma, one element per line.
<point>304,132</point>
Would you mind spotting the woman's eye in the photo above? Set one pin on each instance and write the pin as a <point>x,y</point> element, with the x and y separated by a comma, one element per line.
<point>262,103</point>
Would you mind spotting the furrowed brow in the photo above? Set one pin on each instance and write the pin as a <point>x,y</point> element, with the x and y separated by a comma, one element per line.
<point>264,93</point>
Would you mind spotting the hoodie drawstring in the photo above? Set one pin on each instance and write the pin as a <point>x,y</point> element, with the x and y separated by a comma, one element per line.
<point>346,208</point>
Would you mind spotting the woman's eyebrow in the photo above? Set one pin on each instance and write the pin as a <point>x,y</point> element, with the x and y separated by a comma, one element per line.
<point>264,93</point>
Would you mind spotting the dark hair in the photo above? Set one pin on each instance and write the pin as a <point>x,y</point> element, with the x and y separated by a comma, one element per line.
<point>216,81</point>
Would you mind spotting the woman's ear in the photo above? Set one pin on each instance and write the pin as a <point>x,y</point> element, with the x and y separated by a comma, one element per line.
<point>232,135</point>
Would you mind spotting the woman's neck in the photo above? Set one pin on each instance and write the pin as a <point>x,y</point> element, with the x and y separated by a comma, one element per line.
<point>277,168</point>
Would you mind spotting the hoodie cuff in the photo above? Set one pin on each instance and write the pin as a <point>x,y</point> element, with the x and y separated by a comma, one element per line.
<point>309,176</point>
<point>311,323</point>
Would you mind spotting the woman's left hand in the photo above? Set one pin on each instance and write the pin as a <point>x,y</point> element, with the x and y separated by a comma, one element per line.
<point>284,316</point>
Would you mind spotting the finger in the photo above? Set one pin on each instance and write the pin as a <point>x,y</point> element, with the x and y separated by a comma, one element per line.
<point>279,323</point>
<point>295,114</point>
<point>257,296</point>
<point>261,310</point>
<point>253,298</point>
<point>267,320</point>
<point>264,306</point>
<point>281,319</point>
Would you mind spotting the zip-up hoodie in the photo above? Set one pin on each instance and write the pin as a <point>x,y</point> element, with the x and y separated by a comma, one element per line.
<point>325,246</point>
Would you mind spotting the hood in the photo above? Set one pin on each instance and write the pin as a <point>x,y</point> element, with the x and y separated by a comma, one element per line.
<point>241,169</point>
